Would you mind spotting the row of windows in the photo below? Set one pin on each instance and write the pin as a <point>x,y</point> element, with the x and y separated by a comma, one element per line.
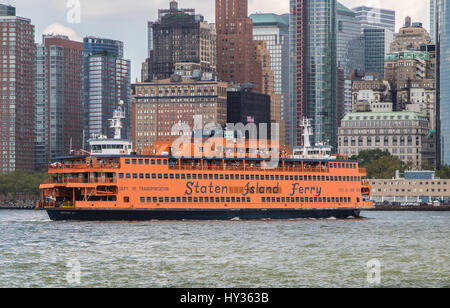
<point>164,162</point>
<point>306,200</point>
<point>196,199</point>
<point>242,177</point>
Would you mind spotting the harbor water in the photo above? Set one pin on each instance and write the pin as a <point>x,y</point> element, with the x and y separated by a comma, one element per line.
<point>409,249</point>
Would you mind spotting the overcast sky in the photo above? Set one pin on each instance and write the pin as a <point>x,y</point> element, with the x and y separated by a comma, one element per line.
<point>126,20</point>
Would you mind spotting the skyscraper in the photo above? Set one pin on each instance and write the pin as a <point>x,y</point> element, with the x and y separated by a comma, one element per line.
<point>377,42</point>
<point>442,34</point>
<point>350,42</point>
<point>274,30</point>
<point>179,35</point>
<point>375,18</point>
<point>313,69</point>
<point>433,20</point>
<point>234,41</point>
<point>107,80</point>
<point>59,98</point>
<point>17,103</point>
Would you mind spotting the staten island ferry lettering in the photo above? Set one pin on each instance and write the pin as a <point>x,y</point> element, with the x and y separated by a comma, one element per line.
<point>113,181</point>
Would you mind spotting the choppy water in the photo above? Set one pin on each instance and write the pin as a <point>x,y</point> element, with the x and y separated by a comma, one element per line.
<point>412,247</point>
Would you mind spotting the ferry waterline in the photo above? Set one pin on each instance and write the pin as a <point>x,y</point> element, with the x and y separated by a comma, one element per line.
<point>112,183</point>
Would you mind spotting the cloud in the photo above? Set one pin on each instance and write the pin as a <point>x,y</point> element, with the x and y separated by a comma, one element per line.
<point>57,28</point>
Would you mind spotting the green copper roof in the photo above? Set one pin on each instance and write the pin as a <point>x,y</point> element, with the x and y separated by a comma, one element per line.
<point>344,10</point>
<point>402,115</point>
<point>270,19</point>
<point>408,55</point>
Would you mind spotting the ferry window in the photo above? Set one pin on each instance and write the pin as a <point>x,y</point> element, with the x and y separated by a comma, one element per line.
<point>296,177</point>
<point>263,199</point>
<point>166,176</point>
<point>153,161</point>
<point>222,199</point>
<point>121,175</point>
<point>161,199</point>
<point>309,177</point>
<point>227,177</point>
<point>159,176</point>
<point>127,161</point>
<point>159,161</point>
<point>206,199</point>
<point>188,176</point>
<point>142,199</point>
<point>183,176</point>
<point>340,178</point>
<point>155,200</point>
<point>172,176</point>
<point>314,178</point>
<point>165,162</point>
<point>200,177</point>
<point>177,176</point>
<point>238,199</point>
<point>128,176</point>
<point>184,199</point>
<point>278,199</point>
<point>242,177</point>
<point>320,200</point>
<point>297,199</point>
<point>211,176</point>
<point>277,177</point>
<point>172,199</point>
<point>282,177</point>
<point>141,175</point>
<point>178,199</point>
<point>126,199</point>
<point>272,178</point>
<point>357,199</point>
<point>233,199</point>
<point>135,176</point>
<point>231,176</point>
<point>134,161</point>
<point>247,177</point>
<point>147,162</point>
<point>216,176</point>
<point>153,175</point>
<point>333,200</point>
<point>228,200</point>
<point>149,200</point>
<point>291,177</point>
<point>141,161</point>
<point>283,199</point>
<point>190,199</point>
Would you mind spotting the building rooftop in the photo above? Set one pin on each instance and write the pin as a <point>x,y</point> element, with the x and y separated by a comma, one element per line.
<point>344,10</point>
<point>270,19</point>
<point>408,55</point>
<point>402,115</point>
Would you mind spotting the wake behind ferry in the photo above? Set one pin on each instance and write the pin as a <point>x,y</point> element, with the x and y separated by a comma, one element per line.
<point>113,183</point>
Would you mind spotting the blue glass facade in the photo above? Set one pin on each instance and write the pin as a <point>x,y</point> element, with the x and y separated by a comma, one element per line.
<point>442,13</point>
<point>94,45</point>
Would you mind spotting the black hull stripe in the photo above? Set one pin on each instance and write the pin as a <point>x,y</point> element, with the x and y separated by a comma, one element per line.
<point>177,215</point>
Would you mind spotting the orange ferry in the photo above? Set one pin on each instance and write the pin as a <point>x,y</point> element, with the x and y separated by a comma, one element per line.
<point>113,183</point>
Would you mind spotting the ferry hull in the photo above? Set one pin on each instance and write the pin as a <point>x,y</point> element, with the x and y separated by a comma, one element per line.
<point>178,215</point>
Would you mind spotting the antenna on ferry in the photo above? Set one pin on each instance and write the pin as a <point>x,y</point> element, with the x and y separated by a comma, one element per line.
<point>307,132</point>
<point>116,121</point>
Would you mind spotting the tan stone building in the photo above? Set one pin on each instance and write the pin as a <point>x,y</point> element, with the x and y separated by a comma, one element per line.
<point>410,37</point>
<point>405,135</point>
<point>158,106</point>
<point>371,94</point>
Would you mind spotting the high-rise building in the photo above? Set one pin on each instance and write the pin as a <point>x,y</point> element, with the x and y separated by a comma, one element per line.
<point>442,19</point>
<point>17,92</point>
<point>274,30</point>
<point>107,81</point>
<point>410,37</point>
<point>377,42</point>
<point>375,18</point>
<point>235,50</point>
<point>59,98</point>
<point>161,104</point>
<point>7,10</point>
<point>433,20</point>
<point>350,41</point>
<point>313,69</point>
<point>179,35</point>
